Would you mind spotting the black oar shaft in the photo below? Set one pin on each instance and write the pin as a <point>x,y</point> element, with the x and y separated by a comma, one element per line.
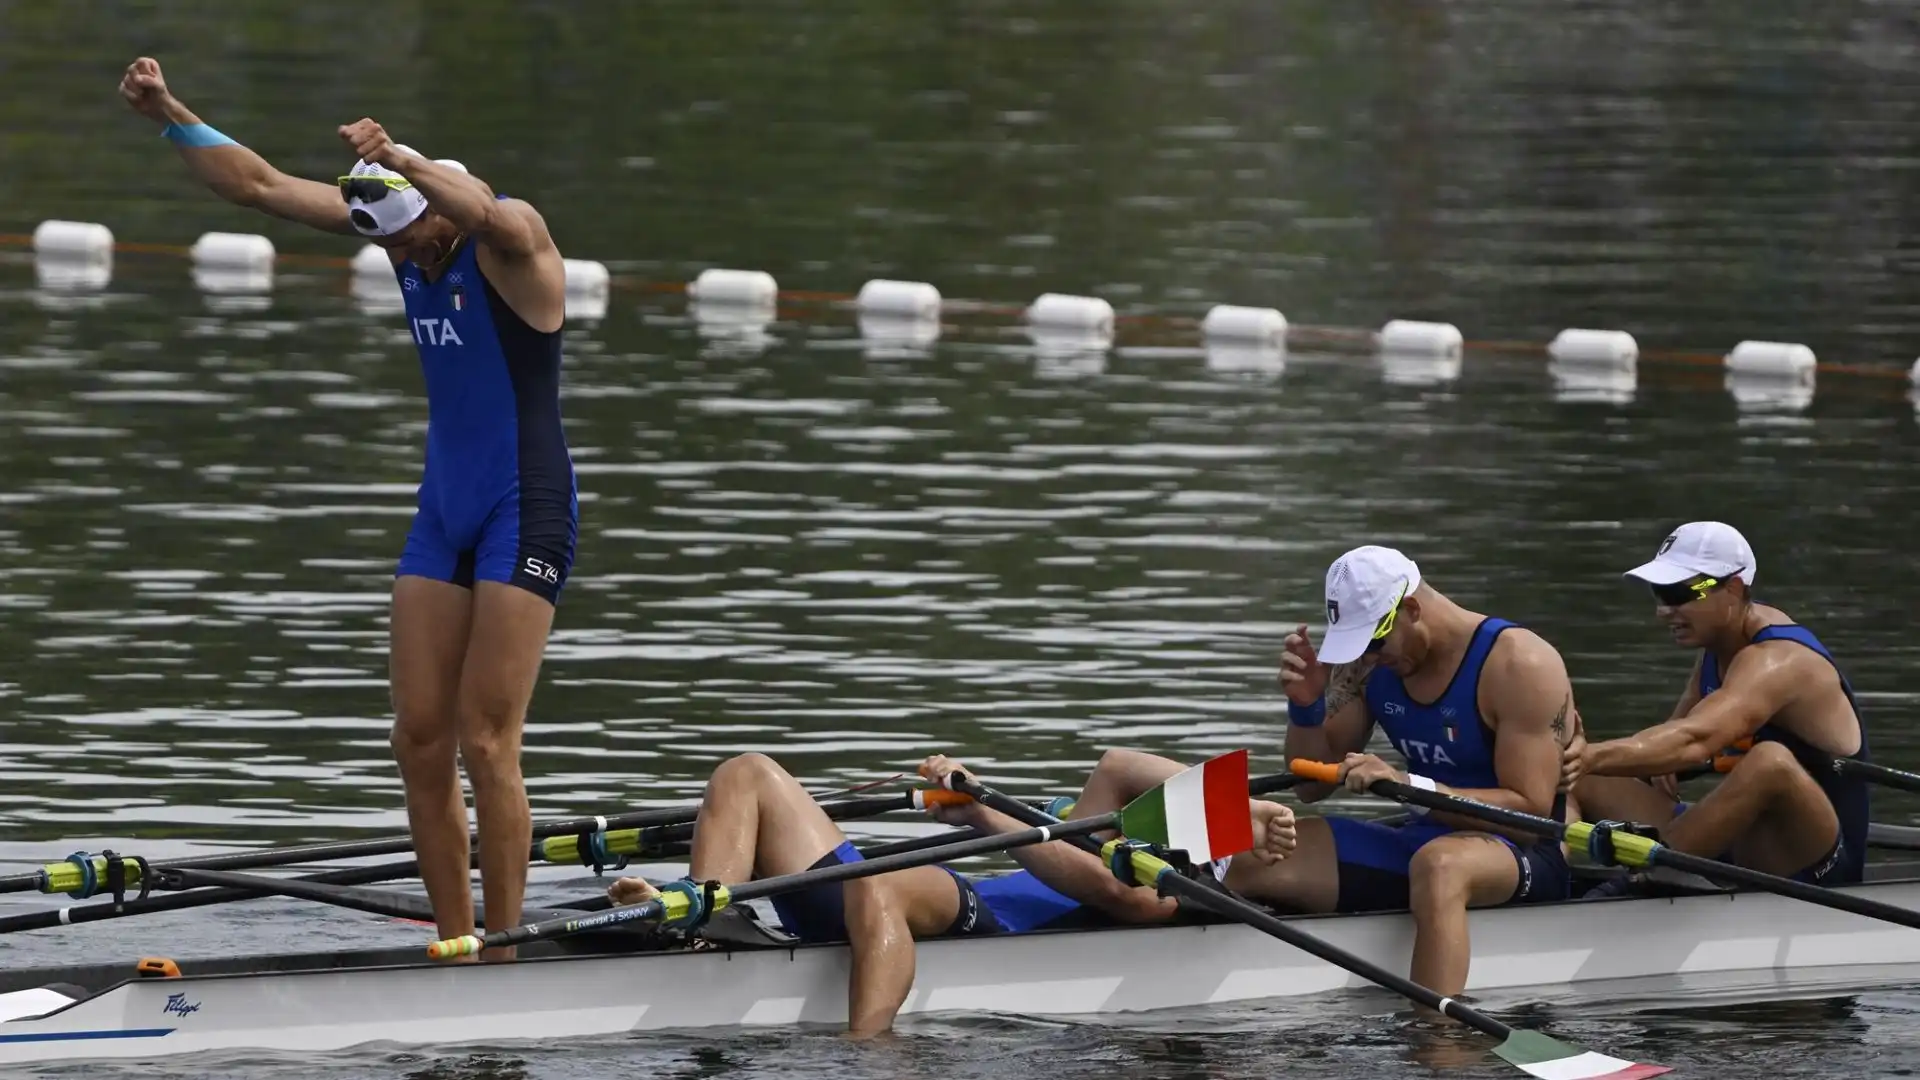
<point>107,909</point>
<point>1877,774</point>
<point>752,890</point>
<point>1577,834</point>
<point>1222,902</point>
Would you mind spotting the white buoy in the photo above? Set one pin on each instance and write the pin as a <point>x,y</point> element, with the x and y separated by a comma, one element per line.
<point>890,334</point>
<point>752,288</point>
<point>1249,325</point>
<point>587,278</point>
<point>1913,373</point>
<point>1772,360</point>
<point>1402,368</point>
<point>1600,348</point>
<point>1090,316</point>
<point>1578,381</point>
<point>1229,357</point>
<point>1767,393</point>
<point>73,241</point>
<point>1406,338</point>
<point>901,299</point>
<point>233,251</point>
<point>57,275</point>
<point>588,286</point>
<point>372,261</point>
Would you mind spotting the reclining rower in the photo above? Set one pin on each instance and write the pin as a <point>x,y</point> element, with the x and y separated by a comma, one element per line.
<point>756,821</point>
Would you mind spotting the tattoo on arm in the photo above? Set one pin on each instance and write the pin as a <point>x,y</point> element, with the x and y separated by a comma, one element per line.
<point>1347,682</point>
<point>1560,721</point>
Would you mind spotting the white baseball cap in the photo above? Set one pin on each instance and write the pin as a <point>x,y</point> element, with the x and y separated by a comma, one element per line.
<point>1362,587</point>
<point>1713,548</point>
<point>393,209</point>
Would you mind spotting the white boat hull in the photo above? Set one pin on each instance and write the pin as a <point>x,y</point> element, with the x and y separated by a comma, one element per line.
<point>1046,974</point>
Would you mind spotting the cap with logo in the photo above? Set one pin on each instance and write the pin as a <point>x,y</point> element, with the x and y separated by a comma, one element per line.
<point>380,201</point>
<point>1712,548</point>
<point>1362,587</point>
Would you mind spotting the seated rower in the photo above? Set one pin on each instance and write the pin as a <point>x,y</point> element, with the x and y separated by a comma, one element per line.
<point>1783,809</point>
<point>1478,706</point>
<point>756,821</point>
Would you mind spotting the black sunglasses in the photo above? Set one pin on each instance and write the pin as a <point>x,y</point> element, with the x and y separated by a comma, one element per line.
<point>371,188</point>
<point>1686,592</point>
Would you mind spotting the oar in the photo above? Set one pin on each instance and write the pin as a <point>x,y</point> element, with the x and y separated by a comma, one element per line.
<point>1620,847</point>
<point>556,841</point>
<point>373,901</point>
<point>1534,1053</point>
<point>1863,770</point>
<point>107,909</point>
<point>674,905</point>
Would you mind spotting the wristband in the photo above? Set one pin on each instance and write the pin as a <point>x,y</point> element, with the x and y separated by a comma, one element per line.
<point>1424,783</point>
<point>1307,715</point>
<point>194,135</point>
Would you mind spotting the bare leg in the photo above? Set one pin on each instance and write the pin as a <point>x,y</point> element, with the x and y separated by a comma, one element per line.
<point>1447,876</point>
<point>757,821</point>
<point>1620,798</point>
<point>1307,880</point>
<point>1767,810</point>
<point>509,638</point>
<point>428,642</point>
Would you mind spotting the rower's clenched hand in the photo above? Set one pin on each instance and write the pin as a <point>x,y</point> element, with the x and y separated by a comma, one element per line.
<point>1573,757</point>
<point>936,768</point>
<point>1302,675</point>
<point>1274,832</point>
<point>1360,771</point>
<point>370,142</point>
<point>631,890</point>
<point>146,89</point>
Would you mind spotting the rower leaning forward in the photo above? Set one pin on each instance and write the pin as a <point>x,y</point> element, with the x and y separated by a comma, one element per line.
<point>1788,806</point>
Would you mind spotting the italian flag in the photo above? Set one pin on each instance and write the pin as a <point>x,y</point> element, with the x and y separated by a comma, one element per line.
<point>1550,1059</point>
<point>1202,811</point>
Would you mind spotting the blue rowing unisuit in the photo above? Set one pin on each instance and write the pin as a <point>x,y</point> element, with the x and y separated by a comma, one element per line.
<point>1848,794</point>
<point>1449,742</point>
<point>497,499</point>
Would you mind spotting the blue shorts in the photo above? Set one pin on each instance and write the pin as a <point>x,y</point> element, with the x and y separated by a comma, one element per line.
<point>516,538</point>
<point>820,914</point>
<point>1843,864</point>
<point>1376,861</point>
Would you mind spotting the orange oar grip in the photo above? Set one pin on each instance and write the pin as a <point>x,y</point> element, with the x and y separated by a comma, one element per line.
<point>928,798</point>
<point>1743,744</point>
<point>1725,762</point>
<point>1325,772</point>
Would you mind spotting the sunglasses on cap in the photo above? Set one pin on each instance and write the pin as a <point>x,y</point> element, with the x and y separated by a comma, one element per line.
<point>1385,625</point>
<point>1686,592</point>
<point>371,188</point>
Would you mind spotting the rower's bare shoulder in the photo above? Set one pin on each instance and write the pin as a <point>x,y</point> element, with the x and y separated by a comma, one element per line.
<point>1785,662</point>
<point>1520,654</point>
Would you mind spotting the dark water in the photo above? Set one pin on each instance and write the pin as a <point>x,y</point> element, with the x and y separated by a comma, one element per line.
<point>851,554</point>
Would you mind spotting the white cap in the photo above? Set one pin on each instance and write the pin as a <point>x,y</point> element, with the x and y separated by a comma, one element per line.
<point>1362,586</point>
<point>395,211</point>
<point>1713,548</point>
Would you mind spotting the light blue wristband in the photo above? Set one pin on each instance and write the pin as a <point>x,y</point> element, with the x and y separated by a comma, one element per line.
<point>195,135</point>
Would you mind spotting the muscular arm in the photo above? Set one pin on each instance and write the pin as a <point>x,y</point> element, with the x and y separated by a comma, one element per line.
<point>1528,699</point>
<point>508,226</point>
<point>244,178</point>
<point>1762,680</point>
<point>1346,731</point>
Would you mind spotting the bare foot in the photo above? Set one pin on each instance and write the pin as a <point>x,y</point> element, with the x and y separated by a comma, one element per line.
<point>628,891</point>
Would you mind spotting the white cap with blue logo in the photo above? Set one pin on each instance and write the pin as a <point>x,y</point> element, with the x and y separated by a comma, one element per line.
<point>1362,587</point>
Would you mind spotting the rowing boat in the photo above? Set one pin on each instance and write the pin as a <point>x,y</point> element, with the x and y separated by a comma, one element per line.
<point>614,983</point>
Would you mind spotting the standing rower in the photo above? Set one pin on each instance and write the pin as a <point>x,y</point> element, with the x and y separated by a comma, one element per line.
<point>1784,808</point>
<point>493,538</point>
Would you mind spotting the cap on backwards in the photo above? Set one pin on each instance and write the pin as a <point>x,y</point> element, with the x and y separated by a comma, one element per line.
<point>1712,548</point>
<point>1362,587</point>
